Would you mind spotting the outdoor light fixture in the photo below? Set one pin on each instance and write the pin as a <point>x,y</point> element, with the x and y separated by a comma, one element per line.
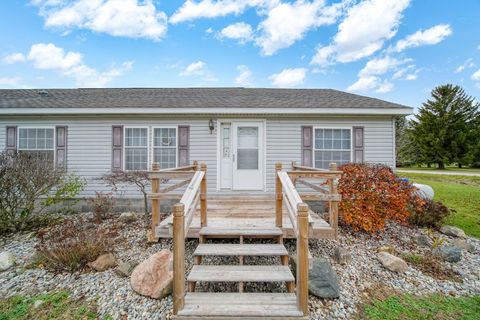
<point>211,126</point>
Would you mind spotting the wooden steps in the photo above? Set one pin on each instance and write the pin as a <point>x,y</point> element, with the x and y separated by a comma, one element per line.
<point>238,305</point>
<point>236,232</point>
<point>245,273</point>
<point>241,250</point>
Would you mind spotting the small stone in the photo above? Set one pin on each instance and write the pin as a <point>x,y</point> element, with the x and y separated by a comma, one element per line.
<point>423,240</point>
<point>341,256</point>
<point>7,260</point>
<point>452,231</point>
<point>388,249</point>
<point>128,217</point>
<point>103,262</point>
<point>125,269</point>
<point>322,280</point>
<point>450,253</point>
<point>392,262</point>
<point>154,276</point>
<point>464,245</point>
<point>37,304</point>
<point>424,191</point>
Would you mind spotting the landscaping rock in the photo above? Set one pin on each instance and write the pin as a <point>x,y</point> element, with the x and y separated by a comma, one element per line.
<point>453,231</point>
<point>388,249</point>
<point>128,217</point>
<point>423,240</point>
<point>424,191</point>
<point>341,255</point>
<point>103,262</point>
<point>323,281</point>
<point>37,304</point>
<point>464,245</point>
<point>7,260</point>
<point>125,269</point>
<point>154,276</point>
<point>450,253</point>
<point>392,262</point>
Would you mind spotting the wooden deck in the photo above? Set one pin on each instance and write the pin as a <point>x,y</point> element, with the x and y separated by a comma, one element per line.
<point>246,212</point>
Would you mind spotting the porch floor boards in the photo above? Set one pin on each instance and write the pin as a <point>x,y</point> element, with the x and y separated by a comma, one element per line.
<point>249,211</point>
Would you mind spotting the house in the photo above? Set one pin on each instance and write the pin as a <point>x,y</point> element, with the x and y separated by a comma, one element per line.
<point>240,133</point>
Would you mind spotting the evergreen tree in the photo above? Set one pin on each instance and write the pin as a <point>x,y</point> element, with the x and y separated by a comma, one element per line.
<point>442,128</point>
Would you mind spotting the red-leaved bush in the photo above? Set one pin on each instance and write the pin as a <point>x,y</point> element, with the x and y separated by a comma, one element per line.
<point>373,194</point>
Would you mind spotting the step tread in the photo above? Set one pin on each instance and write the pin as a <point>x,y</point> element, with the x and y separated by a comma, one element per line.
<point>246,273</point>
<point>241,250</point>
<point>240,304</point>
<point>212,231</point>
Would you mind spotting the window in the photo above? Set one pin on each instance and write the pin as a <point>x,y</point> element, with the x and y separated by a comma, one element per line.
<point>247,148</point>
<point>165,147</point>
<point>136,148</point>
<point>332,145</point>
<point>38,142</point>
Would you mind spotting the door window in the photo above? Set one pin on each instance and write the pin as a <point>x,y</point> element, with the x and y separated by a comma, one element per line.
<point>247,148</point>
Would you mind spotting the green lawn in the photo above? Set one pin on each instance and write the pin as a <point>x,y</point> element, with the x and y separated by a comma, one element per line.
<point>436,307</point>
<point>55,306</point>
<point>461,193</point>
<point>447,169</point>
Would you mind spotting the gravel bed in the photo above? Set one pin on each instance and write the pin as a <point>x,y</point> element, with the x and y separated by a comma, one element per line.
<point>115,297</point>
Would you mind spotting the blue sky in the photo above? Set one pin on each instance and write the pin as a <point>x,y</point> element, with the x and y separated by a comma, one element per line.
<point>396,50</point>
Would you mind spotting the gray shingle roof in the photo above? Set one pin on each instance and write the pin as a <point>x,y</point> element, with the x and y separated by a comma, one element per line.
<point>187,98</point>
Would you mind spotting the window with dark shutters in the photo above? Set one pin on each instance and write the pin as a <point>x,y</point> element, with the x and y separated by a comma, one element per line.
<point>61,146</point>
<point>117,147</point>
<point>358,145</point>
<point>183,145</point>
<point>307,145</point>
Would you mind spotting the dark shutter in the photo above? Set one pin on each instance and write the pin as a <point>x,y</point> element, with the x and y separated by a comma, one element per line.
<point>358,145</point>
<point>11,141</point>
<point>307,146</point>
<point>61,146</point>
<point>117,147</point>
<point>183,145</point>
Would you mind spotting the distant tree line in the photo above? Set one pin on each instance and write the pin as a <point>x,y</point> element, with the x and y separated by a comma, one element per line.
<point>445,131</point>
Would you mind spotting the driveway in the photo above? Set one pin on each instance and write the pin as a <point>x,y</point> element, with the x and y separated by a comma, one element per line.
<point>450,173</point>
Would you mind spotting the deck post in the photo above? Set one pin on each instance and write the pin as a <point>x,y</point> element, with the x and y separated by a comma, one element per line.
<point>155,202</point>
<point>203,196</point>
<point>333,205</point>
<point>302,258</point>
<point>278,196</point>
<point>178,257</point>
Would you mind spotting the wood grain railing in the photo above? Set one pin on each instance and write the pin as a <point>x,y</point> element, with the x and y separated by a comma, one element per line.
<point>298,212</point>
<point>194,195</point>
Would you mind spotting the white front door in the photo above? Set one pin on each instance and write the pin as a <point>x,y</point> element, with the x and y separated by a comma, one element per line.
<point>247,155</point>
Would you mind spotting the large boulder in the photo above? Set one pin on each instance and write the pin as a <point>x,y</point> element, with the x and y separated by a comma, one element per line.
<point>154,276</point>
<point>392,262</point>
<point>424,191</point>
<point>103,262</point>
<point>450,253</point>
<point>322,280</point>
<point>452,231</point>
<point>7,260</point>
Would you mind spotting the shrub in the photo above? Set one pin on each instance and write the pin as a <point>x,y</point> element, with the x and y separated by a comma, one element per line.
<point>102,205</point>
<point>371,195</point>
<point>29,187</point>
<point>429,214</point>
<point>71,245</point>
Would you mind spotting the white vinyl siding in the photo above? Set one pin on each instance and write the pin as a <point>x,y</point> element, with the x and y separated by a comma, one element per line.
<point>165,147</point>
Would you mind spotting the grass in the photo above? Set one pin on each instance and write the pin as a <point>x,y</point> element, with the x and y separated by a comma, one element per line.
<point>449,168</point>
<point>55,306</point>
<point>423,308</point>
<point>461,193</point>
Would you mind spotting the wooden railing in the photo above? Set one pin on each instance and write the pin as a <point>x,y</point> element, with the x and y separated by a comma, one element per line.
<point>183,212</point>
<point>298,212</point>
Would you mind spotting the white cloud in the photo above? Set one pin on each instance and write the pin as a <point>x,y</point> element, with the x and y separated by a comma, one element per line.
<point>12,82</point>
<point>380,66</point>
<point>191,10</point>
<point>287,23</point>
<point>194,69</point>
<point>244,75</point>
<point>476,75</point>
<point>289,77</point>
<point>411,76</point>
<point>240,31</point>
<point>467,64</point>
<point>14,58</point>
<point>430,36</point>
<point>371,83</point>
<point>50,57</point>
<point>364,30</point>
<point>128,18</point>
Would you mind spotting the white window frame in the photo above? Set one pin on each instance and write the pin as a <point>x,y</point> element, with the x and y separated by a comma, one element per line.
<point>176,141</point>
<point>315,149</point>
<point>54,141</point>
<point>125,146</point>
